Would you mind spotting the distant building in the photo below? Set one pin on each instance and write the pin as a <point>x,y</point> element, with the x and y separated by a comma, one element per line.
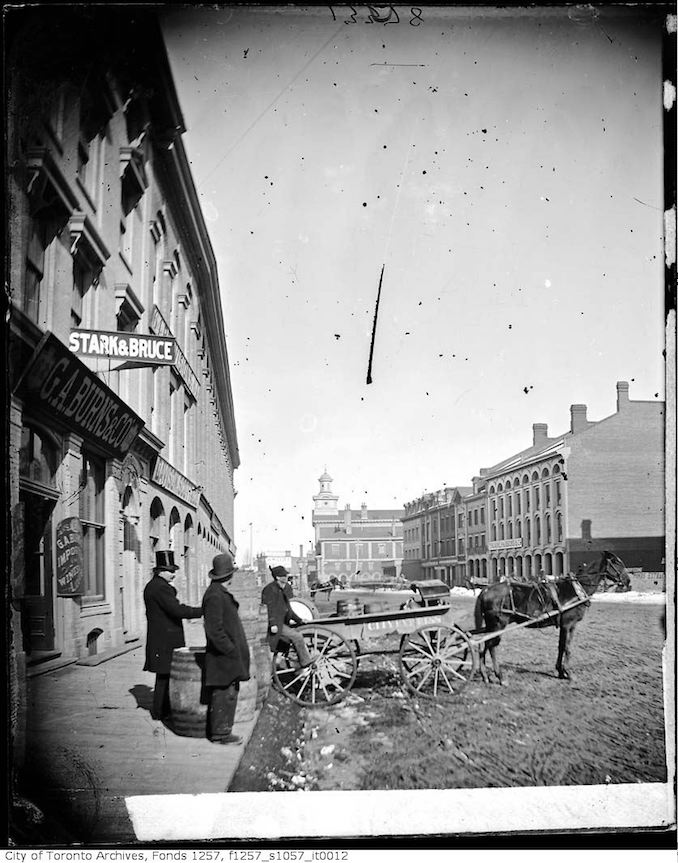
<point>434,530</point>
<point>552,506</point>
<point>566,498</point>
<point>299,566</point>
<point>355,545</point>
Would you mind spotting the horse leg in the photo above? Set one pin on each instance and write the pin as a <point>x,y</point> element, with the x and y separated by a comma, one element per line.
<point>482,667</point>
<point>493,645</point>
<point>564,642</point>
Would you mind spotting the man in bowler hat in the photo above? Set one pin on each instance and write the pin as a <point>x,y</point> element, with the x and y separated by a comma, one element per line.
<point>227,655</point>
<point>164,614</point>
<point>280,615</point>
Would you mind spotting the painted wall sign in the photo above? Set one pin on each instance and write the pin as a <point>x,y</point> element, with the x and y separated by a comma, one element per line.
<point>59,384</point>
<point>167,476</point>
<point>144,347</point>
<point>505,543</point>
<point>70,575</point>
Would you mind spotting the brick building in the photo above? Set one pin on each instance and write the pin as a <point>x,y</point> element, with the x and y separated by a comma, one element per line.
<point>122,435</point>
<point>355,545</point>
<point>555,504</point>
<point>434,536</point>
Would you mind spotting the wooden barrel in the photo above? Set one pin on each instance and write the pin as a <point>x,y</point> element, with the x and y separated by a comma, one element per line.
<point>349,607</point>
<point>188,698</point>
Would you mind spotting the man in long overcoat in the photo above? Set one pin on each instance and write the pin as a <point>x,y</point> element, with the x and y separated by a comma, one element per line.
<point>164,614</point>
<point>280,615</point>
<point>227,654</point>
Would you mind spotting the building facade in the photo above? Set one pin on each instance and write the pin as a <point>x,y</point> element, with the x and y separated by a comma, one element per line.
<point>122,435</point>
<point>355,545</point>
<point>554,505</point>
<point>599,486</point>
<point>434,531</point>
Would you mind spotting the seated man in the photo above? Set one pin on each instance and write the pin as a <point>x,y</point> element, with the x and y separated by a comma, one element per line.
<point>280,615</point>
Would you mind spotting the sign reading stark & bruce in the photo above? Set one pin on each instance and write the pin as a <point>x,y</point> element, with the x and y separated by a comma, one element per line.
<point>99,344</point>
<point>69,571</point>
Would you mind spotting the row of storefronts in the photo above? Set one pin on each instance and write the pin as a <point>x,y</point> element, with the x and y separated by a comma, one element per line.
<point>122,436</point>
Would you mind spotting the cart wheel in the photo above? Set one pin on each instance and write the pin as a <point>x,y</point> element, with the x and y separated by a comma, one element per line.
<point>436,660</point>
<point>330,677</point>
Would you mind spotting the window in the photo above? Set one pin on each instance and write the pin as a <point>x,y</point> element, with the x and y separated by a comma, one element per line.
<point>482,516</point>
<point>527,500</point>
<point>81,284</point>
<point>535,497</point>
<point>548,527</point>
<point>93,528</point>
<point>501,507</point>
<point>35,266</point>
<point>90,161</point>
<point>559,527</point>
<point>517,502</point>
<point>556,489</point>
<point>547,495</point>
<point>528,533</point>
<point>537,531</point>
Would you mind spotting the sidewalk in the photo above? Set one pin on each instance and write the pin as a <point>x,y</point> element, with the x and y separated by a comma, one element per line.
<point>91,742</point>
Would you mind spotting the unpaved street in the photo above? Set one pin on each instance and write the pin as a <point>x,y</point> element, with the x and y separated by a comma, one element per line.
<point>607,725</point>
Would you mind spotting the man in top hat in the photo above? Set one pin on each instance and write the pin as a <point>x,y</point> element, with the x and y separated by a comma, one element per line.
<point>164,614</point>
<point>227,655</point>
<point>280,615</point>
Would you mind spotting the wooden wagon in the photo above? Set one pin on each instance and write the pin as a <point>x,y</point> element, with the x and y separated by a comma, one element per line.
<point>436,655</point>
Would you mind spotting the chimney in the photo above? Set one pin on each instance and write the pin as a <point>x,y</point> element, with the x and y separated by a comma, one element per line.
<point>363,512</point>
<point>347,518</point>
<point>622,394</point>
<point>539,433</point>
<point>578,421</point>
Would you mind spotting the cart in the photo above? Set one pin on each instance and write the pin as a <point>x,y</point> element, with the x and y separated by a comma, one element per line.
<point>436,656</point>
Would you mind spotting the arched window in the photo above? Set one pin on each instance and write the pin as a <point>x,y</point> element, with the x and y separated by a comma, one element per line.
<point>509,527</point>
<point>545,473</point>
<point>559,527</point>
<point>157,531</point>
<point>548,528</point>
<point>537,530</point>
<point>528,533</point>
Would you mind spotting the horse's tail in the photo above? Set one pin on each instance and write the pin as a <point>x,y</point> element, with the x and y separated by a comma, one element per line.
<point>478,611</point>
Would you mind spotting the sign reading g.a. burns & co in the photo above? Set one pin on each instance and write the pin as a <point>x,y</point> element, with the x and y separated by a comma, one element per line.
<point>138,347</point>
<point>57,383</point>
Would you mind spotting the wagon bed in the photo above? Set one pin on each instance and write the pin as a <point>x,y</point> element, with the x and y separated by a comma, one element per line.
<point>436,655</point>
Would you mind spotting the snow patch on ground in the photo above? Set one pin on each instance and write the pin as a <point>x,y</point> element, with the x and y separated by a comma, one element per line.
<point>631,596</point>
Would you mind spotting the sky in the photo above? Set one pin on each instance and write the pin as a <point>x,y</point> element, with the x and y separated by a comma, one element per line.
<point>502,168</point>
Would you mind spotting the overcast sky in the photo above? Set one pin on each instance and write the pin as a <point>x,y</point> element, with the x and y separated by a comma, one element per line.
<point>504,168</point>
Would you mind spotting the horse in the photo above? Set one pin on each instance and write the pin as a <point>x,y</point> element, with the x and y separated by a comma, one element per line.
<point>515,602</point>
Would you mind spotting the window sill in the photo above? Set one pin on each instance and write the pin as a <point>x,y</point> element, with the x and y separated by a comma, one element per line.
<point>94,607</point>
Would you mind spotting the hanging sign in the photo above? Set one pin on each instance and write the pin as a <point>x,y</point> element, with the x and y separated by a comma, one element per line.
<point>70,576</point>
<point>143,347</point>
<point>59,385</point>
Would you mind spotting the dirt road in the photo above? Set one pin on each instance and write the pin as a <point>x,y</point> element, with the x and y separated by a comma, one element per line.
<point>606,725</point>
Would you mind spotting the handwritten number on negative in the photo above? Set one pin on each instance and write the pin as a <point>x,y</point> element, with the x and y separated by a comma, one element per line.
<point>416,18</point>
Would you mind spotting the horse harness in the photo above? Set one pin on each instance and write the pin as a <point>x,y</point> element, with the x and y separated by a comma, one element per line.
<point>546,595</point>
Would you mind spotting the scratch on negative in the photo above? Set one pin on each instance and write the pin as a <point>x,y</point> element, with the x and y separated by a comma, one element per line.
<point>374,327</point>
